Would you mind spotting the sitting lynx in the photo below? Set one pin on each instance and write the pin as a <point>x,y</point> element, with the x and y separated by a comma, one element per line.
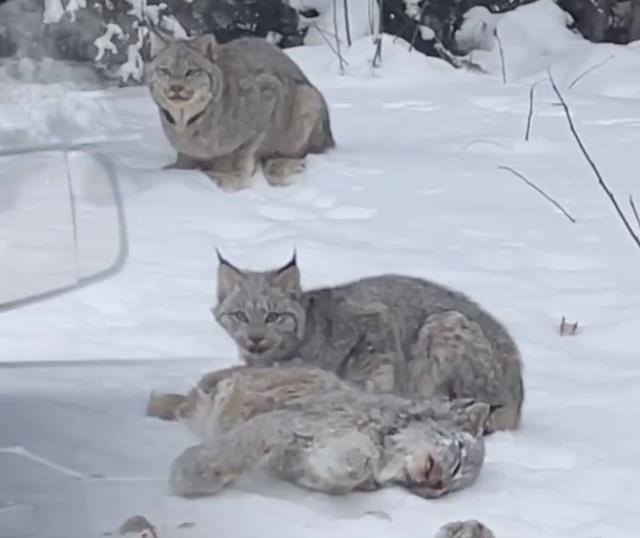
<point>321,433</point>
<point>229,108</point>
<point>387,333</point>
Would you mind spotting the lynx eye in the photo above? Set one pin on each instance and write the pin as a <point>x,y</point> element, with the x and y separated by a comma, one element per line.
<point>240,316</point>
<point>164,71</point>
<point>192,72</point>
<point>272,317</point>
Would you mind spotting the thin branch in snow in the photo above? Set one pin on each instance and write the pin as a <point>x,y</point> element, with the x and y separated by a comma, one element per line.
<point>502,61</point>
<point>592,164</point>
<point>347,24</point>
<point>634,209</point>
<point>377,57</point>
<point>539,191</point>
<point>323,35</point>
<point>418,25</point>
<point>335,29</point>
<point>590,70</point>
<point>527,133</point>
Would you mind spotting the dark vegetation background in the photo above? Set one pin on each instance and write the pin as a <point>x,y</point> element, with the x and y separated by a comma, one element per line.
<point>68,29</point>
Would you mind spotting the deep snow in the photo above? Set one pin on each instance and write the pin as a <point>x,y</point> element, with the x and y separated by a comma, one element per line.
<point>413,187</point>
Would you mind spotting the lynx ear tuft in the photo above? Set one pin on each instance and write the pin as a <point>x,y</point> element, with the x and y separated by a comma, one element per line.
<point>229,277</point>
<point>287,277</point>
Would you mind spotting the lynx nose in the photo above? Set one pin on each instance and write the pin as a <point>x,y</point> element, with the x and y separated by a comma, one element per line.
<point>256,340</point>
<point>176,88</point>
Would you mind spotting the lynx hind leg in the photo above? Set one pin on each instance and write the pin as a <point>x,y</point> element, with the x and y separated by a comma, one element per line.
<point>335,463</point>
<point>471,528</point>
<point>305,113</point>
<point>452,357</point>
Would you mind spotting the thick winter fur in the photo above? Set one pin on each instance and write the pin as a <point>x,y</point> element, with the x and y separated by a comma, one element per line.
<point>388,333</point>
<point>229,108</point>
<point>319,432</point>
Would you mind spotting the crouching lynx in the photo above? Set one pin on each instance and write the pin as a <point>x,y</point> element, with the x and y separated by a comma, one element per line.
<point>317,431</point>
<point>229,108</point>
<point>387,333</point>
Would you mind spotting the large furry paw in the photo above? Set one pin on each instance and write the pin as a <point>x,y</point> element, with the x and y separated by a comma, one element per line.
<point>470,528</point>
<point>198,471</point>
<point>231,182</point>
<point>281,172</point>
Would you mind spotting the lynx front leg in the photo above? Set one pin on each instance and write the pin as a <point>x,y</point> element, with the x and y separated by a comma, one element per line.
<point>234,172</point>
<point>452,357</point>
<point>281,172</point>
<point>183,162</point>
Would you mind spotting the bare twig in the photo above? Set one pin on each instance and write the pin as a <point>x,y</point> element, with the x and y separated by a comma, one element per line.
<point>532,90</point>
<point>323,35</point>
<point>590,70</point>
<point>417,28</point>
<point>347,25</point>
<point>335,29</point>
<point>592,164</point>
<point>539,191</point>
<point>377,57</point>
<point>502,61</point>
<point>634,209</point>
<point>568,328</point>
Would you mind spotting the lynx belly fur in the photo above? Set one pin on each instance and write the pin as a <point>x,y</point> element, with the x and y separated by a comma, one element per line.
<point>321,433</point>
<point>230,108</point>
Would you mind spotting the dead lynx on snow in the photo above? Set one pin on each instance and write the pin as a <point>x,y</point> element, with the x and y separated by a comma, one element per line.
<point>229,108</point>
<point>387,333</point>
<point>319,432</point>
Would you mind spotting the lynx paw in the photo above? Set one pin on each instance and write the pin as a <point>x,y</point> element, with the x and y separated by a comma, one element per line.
<point>198,472</point>
<point>231,182</point>
<point>470,528</point>
<point>281,172</point>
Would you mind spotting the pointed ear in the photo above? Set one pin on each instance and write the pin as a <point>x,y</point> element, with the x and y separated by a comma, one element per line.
<point>229,277</point>
<point>478,415</point>
<point>288,276</point>
<point>157,40</point>
<point>205,44</point>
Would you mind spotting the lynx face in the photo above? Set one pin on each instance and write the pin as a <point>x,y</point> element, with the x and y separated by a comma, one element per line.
<point>262,312</point>
<point>447,461</point>
<point>182,79</point>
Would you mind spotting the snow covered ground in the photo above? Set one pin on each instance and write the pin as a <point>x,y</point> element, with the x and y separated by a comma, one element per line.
<point>413,187</point>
